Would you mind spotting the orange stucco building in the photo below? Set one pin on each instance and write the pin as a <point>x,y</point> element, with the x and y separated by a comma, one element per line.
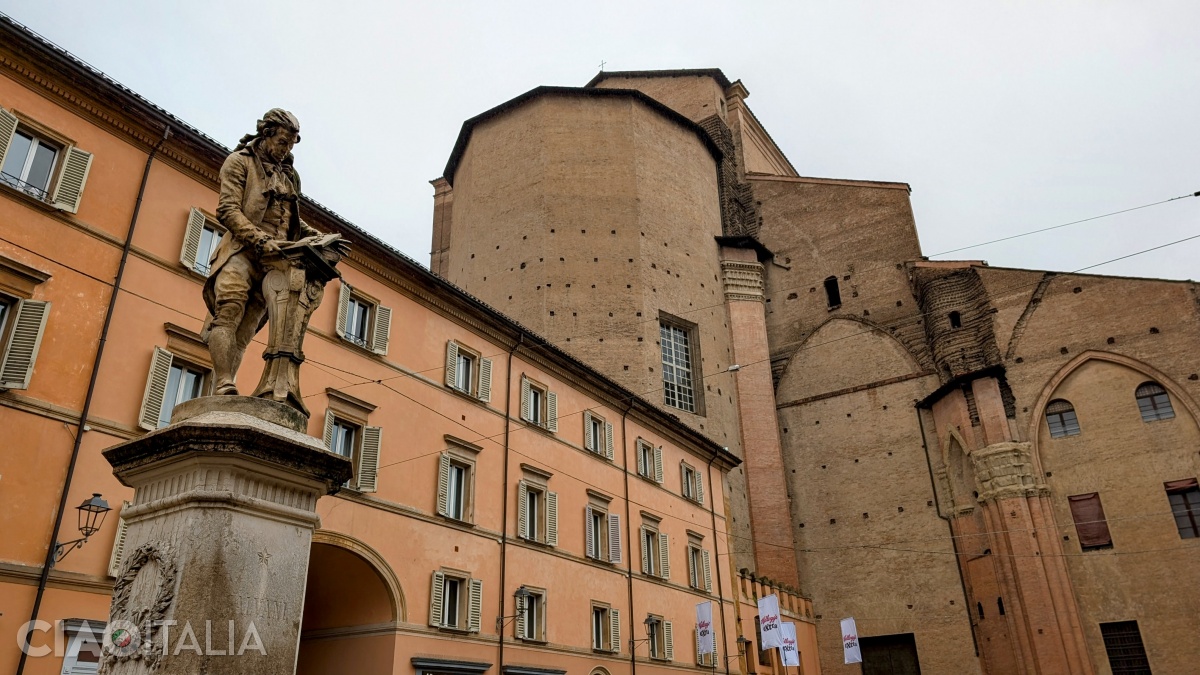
<point>492,469</point>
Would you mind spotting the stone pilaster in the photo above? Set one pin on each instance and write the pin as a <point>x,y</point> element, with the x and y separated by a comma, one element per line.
<point>216,542</point>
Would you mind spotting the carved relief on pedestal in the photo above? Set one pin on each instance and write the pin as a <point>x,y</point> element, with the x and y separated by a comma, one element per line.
<point>142,599</point>
<point>743,280</point>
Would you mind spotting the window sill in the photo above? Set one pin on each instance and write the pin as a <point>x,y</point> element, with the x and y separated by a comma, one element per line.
<point>1105,547</point>
<point>832,308</point>
<point>464,394</point>
<point>535,542</point>
<point>597,650</point>
<point>455,629</point>
<point>649,479</point>
<point>532,641</point>
<point>26,197</point>
<point>362,348</point>
<point>456,521</point>
<point>538,427</point>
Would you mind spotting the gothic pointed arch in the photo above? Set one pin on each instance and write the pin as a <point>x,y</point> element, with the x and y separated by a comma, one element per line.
<point>843,352</point>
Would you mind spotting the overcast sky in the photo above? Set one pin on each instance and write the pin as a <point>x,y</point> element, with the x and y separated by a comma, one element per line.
<point>1004,116</point>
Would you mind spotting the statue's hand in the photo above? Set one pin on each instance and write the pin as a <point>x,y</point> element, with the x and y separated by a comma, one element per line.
<point>267,246</point>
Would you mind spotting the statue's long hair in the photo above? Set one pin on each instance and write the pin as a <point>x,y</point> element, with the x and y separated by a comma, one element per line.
<point>264,130</point>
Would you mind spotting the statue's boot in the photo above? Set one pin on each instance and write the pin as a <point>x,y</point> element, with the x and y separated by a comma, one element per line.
<point>222,345</point>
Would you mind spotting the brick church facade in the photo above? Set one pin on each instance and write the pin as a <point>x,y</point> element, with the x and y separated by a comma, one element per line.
<point>992,470</point>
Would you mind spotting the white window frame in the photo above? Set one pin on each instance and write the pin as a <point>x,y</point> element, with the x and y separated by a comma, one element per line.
<point>649,460</point>
<point>467,607</point>
<point>478,384</point>
<point>77,633</point>
<point>539,405</point>
<point>69,169</point>
<point>531,624</point>
<point>377,330</point>
<point>605,625</point>
<point>365,448</point>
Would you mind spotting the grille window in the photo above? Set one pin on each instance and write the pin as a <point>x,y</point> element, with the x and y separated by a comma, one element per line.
<point>1060,417</point>
<point>678,390</point>
<point>1153,402</point>
<point>1184,496</point>
<point>1126,653</point>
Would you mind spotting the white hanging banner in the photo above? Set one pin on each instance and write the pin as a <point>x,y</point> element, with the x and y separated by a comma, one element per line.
<point>706,638</point>
<point>789,654</point>
<point>768,622</point>
<point>850,645</point>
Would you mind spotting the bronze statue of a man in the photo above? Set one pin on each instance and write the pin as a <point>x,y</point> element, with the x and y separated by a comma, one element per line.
<point>259,209</point>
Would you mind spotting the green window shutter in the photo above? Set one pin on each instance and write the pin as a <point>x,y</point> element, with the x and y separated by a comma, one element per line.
<point>475,611</point>
<point>588,444</point>
<point>589,532</point>
<point>614,628</point>
<point>522,517</point>
<point>707,571</point>
<point>658,469</point>
<point>24,341</point>
<point>8,127</point>
<point>191,239</point>
<point>451,362</point>
<point>608,440</point>
<point>381,330</point>
<point>71,179</point>
<point>552,411</point>
<point>118,549</point>
<point>485,380</point>
<point>156,389</point>
<point>669,640</point>
<point>443,486</point>
<point>343,308</point>
<point>552,518</point>
<point>368,463</point>
<point>327,435</point>
<point>614,538</point>
<point>435,599</point>
<point>664,555</point>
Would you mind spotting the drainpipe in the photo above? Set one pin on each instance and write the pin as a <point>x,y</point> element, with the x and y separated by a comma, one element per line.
<point>504,501</point>
<point>48,564</point>
<point>712,512</point>
<point>953,540</point>
<point>628,542</point>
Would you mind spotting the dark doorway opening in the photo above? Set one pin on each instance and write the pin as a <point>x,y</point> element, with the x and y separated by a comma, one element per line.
<point>890,655</point>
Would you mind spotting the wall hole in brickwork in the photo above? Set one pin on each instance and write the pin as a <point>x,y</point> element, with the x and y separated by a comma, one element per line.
<point>583,232</point>
<point>524,236</point>
<point>817,422</point>
<point>952,602</point>
<point>547,285</point>
<point>1063,350</point>
<point>785,430</point>
<point>551,230</point>
<point>889,453</point>
<point>854,294</point>
<point>848,414</point>
<point>833,521</point>
<point>1049,474</point>
<point>1000,608</point>
<point>955,320</point>
<point>1194,376</point>
<point>631,260</point>
<point>885,407</point>
<point>643,234</point>
<point>574,313</point>
<point>856,460</point>
<point>614,232</point>
<point>1111,340</point>
<point>639,339</point>
<point>866,312</point>
<point>866,515</point>
<point>497,247</point>
<point>626,367</point>
<point>929,503</point>
<point>1153,331</point>
<point>472,256</point>
<point>1077,290</point>
<point>1020,359</point>
<point>801,525</point>
<point>595,260</point>
<point>979,608</point>
<point>899,303</point>
<point>551,312</point>
<point>562,260</point>
<point>652,369</point>
<point>602,339</point>
<point>822,466</point>
<point>485,278</point>
<point>626,286</point>
<point>522,265</point>
<point>539,287</point>
<point>900,509</point>
<point>653,266</point>
<point>510,297</point>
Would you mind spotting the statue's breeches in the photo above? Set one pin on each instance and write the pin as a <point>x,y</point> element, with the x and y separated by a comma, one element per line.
<point>239,301</point>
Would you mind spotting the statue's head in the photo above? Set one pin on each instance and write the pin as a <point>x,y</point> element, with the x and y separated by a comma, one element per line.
<point>278,133</point>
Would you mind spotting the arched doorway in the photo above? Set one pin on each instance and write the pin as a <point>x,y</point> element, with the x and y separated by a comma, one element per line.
<point>351,606</point>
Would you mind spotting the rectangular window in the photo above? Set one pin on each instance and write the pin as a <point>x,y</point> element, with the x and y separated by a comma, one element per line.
<point>363,322</point>
<point>661,637</point>
<point>456,487</point>
<point>677,365</point>
<point>537,513</point>
<point>649,461</point>
<point>455,601</point>
<point>33,161</point>
<point>357,442</point>
<point>456,476</point>
<point>210,239</point>
<point>597,533</point>
<point>693,484</point>
<point>539,405</point>
<point>171,381</point>
<point>184,383</point>
<point>531,617</point>
<point>602,628</point>
<point>1123,643</point>
<point>656,552</point>
<point>29,164</point>
<point>1090,523</point>
<point>1184,496</point>
<point>468,372</point>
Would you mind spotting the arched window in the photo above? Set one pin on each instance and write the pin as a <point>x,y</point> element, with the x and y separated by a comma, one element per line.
<point>1153,402</point>
<point>955,320</point>
<point>832,294</point>
<point>1060,417</point>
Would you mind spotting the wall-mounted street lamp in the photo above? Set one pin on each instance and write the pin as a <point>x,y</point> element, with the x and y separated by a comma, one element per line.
<point>651,623</point>
<point>91,518</point>
<point>522,595</point>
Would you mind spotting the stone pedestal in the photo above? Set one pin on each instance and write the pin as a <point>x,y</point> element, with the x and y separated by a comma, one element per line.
<point>217,540</point>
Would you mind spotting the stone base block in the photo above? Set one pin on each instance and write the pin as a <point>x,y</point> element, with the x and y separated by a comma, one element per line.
<point>217,540</point>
